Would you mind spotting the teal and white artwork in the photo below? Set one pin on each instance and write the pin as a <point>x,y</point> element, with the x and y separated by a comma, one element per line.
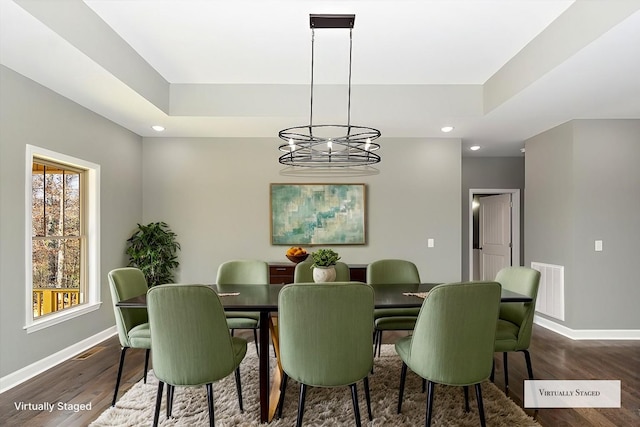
<point>318,214</point>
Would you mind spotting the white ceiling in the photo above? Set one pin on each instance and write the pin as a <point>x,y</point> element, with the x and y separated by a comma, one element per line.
<point>499,71</point>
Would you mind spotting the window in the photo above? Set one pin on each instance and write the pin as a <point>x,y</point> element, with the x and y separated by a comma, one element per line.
<point>62,269</point>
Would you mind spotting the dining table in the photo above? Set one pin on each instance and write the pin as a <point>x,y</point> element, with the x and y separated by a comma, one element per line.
<point>264,299</point>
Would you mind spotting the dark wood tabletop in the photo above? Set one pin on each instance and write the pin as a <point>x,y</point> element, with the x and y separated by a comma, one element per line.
<point>265,297</point>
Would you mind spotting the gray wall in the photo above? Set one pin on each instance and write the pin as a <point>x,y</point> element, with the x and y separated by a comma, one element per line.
<point>32,114</point>
<point>583,184</point>
<point>214,193</point>
<point>489,173</point>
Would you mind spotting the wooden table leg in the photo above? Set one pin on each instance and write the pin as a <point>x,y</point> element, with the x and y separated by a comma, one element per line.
<point>264,366</point>
<point>274,395</point>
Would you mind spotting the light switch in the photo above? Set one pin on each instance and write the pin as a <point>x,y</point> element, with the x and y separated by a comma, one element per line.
<point>430,243</point>
<point>598,245</point>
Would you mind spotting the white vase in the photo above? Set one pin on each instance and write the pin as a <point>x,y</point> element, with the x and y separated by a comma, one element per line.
<point>324,274</point>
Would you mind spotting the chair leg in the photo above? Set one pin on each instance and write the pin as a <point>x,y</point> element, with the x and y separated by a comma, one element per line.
<point>506,372</point>
<point>212,418</point>
<point>146,364</point>
<point>283,388</point>
<point>493,369</point>
<point>354,399</point>
<point>403,376</point>
<point>527,358</point>
<point>255,340</point>
<point>170,391</point>
<point>303,395</point>
<point>156,414</point>
<point>466,398</point>
<point>375,341</point>
<point>367,396</point>
<point>424,385</point>
<point>239,388</point>
<point>480,405</point>
<point>379,343</point>
<point>120,366</point>
<point>430,393</point>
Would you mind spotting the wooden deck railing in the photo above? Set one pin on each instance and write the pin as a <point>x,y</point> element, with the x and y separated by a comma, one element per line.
<point>49,300</point>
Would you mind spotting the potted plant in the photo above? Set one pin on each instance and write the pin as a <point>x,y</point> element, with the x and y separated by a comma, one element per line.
<point>324,261</point>
<point>152,248</point>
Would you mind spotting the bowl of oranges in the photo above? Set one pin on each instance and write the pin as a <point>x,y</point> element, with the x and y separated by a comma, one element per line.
<point>296,254</point>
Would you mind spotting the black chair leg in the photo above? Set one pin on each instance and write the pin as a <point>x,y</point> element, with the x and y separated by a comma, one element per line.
<point>156,414</point>
<point>367,396</point>
<point>379,343</point>
<point>283,388</point>
<point>506,372</point>
<point>239,388</point>
<point>403,376</point>
<point>424,385</point>
<point>480,405</point>
<point>303,395</point>
<point>356,408</point>
<point>466,398</point>
<point>493,369</point>
<point>120,366</point>
<point>430,393</point>
<point>375,341</point>
<point>146,364</point>
<point>212,418</point>
<point>170,391</point>
<point>527,358</point>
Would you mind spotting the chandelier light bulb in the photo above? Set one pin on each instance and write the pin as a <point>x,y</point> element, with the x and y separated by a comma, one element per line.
<point>367,144</point>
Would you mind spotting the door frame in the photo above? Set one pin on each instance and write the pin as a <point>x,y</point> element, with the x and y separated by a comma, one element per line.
<point>515,221</point>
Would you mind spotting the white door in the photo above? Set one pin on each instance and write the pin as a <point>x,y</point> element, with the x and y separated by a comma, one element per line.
<point>495,234</point>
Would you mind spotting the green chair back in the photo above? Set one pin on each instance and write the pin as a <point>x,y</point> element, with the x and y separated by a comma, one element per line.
<point>243,272</point>
<point>522,280</point>
<point>392,271</point>
<point>326,332</point>
<point>125,283</point>
<point>453,339</point>
<point>190,340</point>
<point>303,272</point>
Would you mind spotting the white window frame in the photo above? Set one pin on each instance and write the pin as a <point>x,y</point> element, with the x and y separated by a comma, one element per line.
<point>92,216</point>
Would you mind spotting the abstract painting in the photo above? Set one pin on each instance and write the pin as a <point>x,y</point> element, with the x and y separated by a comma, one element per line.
<point>318,214</point>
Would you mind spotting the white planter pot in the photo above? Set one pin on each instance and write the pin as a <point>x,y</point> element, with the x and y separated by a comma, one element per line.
<point>324,274</point>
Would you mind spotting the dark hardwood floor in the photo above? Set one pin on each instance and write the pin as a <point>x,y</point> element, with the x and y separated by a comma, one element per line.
<point>554,357</point>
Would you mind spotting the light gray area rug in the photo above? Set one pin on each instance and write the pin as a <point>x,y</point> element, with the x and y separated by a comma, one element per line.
<point>323,407</point>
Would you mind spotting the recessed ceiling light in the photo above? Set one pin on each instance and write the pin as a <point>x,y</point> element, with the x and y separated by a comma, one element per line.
<point>446,128</point>
<point>522,150</point>
<point>157,128</point>
<point>474,148</point>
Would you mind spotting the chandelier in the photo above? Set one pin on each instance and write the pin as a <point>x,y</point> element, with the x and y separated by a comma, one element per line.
<point>324,145</point>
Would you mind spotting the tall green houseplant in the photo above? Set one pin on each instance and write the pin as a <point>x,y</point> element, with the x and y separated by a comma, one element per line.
<point>153,249</point>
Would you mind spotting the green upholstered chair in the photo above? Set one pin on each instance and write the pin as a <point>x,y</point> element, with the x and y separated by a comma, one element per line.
<point>191,342</point>
<point>515,322</point>
<point>132,323</point>
<point>303,272</point>
<point>453,339</point>
<point>243,272</point>
<point>316,349</point>
<point>392,271</point>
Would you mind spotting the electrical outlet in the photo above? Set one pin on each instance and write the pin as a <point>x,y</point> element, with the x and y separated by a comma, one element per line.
<point>430,243</point>
<point>598,246</point>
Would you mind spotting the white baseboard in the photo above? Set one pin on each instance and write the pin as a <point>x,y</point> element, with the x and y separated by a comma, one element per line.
<point>587,334</point>
<point>21,375</point>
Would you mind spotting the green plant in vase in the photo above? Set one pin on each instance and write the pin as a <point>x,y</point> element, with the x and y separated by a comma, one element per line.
<point>324,261</point>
